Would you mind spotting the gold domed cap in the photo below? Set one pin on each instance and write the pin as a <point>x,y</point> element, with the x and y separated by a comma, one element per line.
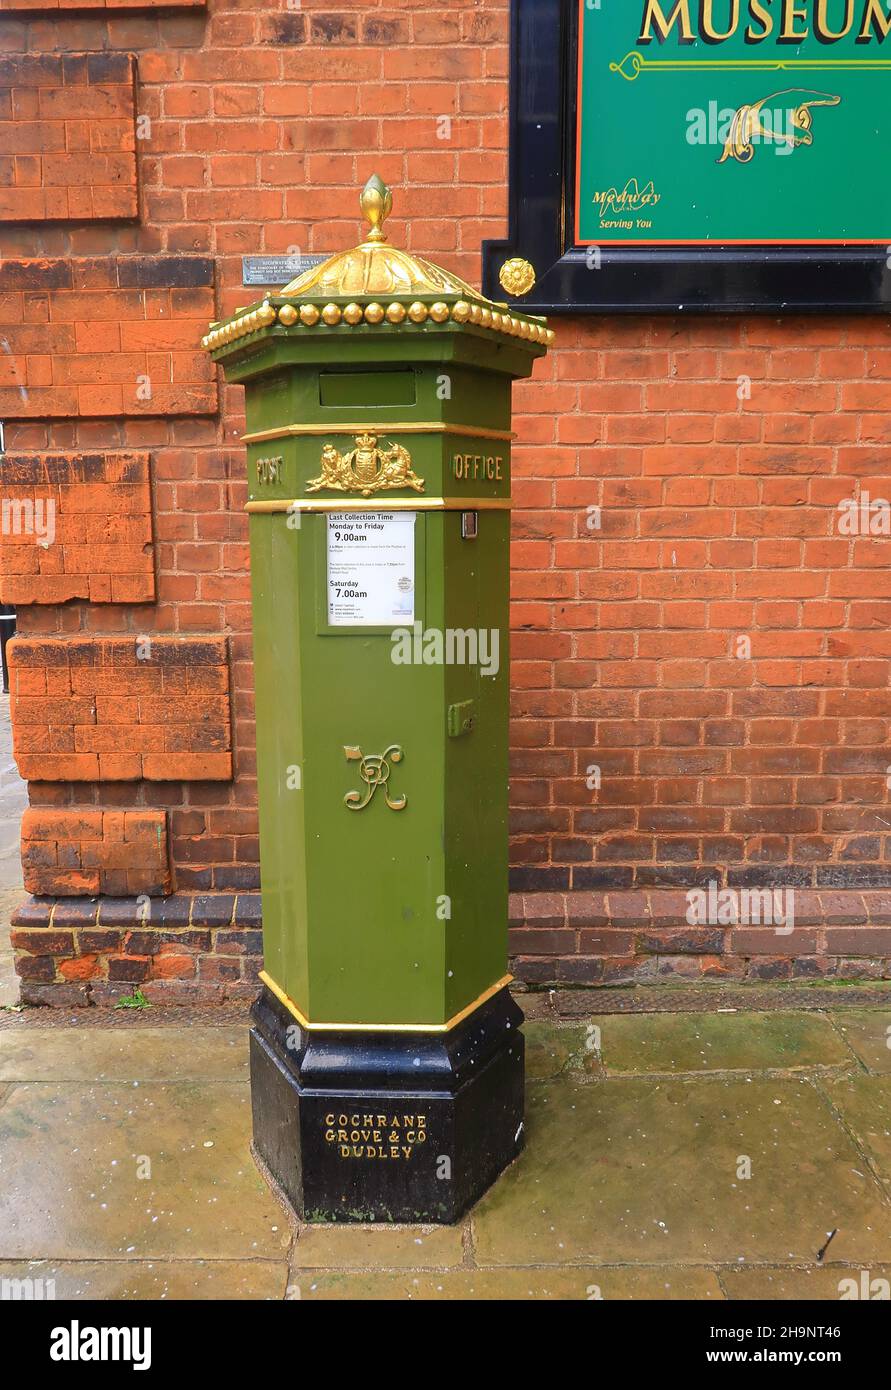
<point>375,267</point>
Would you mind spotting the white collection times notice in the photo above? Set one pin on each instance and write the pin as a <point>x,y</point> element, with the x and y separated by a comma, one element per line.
<point>371,569</point>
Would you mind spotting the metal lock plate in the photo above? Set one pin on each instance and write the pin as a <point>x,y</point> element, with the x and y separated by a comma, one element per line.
<point>461,718</point>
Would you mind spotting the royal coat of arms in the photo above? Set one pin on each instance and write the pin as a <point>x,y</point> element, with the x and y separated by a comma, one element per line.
<point>366,469</point>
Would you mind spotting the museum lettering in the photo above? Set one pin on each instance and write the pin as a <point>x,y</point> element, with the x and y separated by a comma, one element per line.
<point>782,21</point>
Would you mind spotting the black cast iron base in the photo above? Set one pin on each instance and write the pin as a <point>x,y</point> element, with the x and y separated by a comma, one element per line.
<point>387,1126</point>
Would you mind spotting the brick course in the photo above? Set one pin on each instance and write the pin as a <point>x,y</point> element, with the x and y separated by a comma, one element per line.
<point>106,336</point>
<point>190,950</point>
<point>73,853</point>
<point>67,137</point>
<point>120,709</point>
<point>636,936</point>
<point>96,510</point>
<point>717,449</point>
<point>209,947</point>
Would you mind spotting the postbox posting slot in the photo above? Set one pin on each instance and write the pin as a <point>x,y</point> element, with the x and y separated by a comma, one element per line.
<point>367,389</point>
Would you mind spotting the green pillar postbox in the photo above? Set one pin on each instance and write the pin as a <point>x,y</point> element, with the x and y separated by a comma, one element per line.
<point>386,1054</point>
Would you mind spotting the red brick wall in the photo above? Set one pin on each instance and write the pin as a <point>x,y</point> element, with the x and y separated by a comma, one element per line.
<point>716,648</point>
<point>717,450</point>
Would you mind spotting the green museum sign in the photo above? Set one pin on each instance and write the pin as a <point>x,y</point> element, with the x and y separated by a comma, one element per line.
<point>697,156</point>
<point>733,121</point>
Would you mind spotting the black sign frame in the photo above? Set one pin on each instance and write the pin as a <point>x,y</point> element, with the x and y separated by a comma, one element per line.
<point>637,279</point>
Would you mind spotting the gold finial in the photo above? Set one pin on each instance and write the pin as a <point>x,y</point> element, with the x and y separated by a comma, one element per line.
<point>376,202</point>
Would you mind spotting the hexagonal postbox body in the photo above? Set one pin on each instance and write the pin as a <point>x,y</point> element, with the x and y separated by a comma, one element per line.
<point>387,1063</point>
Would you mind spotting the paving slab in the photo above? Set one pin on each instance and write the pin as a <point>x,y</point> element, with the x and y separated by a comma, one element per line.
<point>830,1282</point>
<point>665,1043</point>
<point>13,800</point>
<point>154,1279</point>
<point>388,1247</point>
<point>71,1159</point>
<point>552,1049</point>
<point>9,980</point>
<point>864,1103</point>
<point>582,1283</point>
<point>630,1187</point>
<point>646,1171</point>
<point>145,1054</point>
<point>868,1033</point>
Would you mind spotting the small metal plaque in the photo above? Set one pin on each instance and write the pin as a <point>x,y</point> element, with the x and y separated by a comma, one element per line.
<point>275,270</point>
